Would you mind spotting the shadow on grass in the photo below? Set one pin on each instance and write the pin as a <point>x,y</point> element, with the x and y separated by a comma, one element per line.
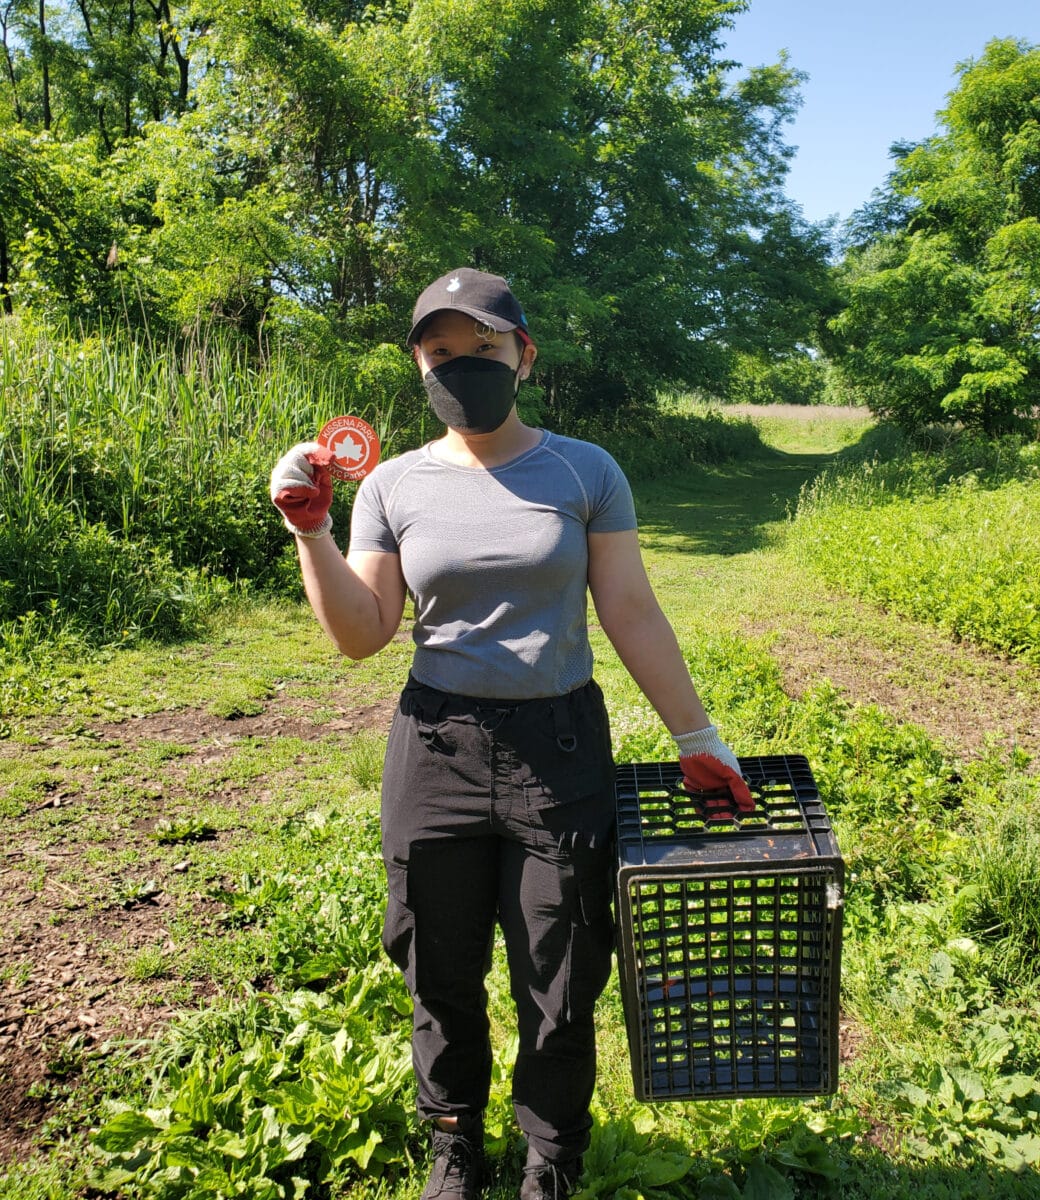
<point>872,1175</point>
<point>727,509</point>
<point>843,1172</point>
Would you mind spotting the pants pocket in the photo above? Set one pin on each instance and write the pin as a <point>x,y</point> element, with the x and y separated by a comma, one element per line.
<point>399,923</point>
<point>564,751</point>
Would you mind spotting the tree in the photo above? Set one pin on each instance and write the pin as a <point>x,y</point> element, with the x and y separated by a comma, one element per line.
<point>596,153</point>
<point>57,226</point>
<point>320,161</point>
<point>943,301</point>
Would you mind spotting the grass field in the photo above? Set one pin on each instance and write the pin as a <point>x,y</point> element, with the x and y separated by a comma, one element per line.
<point>191,896</point>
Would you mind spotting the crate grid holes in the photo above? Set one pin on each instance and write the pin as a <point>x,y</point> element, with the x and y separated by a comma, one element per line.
<point>733,966</point>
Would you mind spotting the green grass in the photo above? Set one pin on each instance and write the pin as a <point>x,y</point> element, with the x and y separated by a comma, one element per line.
<point>821,430</point>
<point>939,977</point>
<point>948,537</point>
<point>967,560</point>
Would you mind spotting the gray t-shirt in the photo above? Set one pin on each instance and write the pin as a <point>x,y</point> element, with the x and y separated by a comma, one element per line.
<point>497,561</point>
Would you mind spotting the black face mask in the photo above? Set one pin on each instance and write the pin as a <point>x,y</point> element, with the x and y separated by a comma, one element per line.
<point>474,394</point>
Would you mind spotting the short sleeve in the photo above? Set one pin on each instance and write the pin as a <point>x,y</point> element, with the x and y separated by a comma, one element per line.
<point>369,524</point>
<point>612,506</point>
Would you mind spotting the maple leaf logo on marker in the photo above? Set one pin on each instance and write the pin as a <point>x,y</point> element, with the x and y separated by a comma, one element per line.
<point>354,446</point>
<point>348,450</point>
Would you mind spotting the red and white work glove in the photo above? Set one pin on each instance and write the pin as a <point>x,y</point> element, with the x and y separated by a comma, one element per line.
<point>709,765</point>
<point>301,489</point>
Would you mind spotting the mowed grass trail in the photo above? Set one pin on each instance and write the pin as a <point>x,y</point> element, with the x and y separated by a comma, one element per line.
<point>713,547</point>
<point>712,538</point>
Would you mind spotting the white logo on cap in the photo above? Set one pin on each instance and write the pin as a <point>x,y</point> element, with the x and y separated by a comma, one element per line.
<point>455,284</point>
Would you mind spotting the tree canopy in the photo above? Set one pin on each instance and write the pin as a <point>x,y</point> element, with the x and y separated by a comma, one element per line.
<point>298,170</point>
<point>942,282</point>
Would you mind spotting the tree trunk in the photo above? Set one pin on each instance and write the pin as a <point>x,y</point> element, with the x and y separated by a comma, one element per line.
<point>6,304</point>
<point>45,68</point>
<point>131,30</point>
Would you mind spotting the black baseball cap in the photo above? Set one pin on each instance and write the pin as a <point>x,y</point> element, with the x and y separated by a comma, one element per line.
<point>482,296</point>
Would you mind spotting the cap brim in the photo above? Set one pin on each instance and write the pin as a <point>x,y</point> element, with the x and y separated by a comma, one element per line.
<point>477,314</point>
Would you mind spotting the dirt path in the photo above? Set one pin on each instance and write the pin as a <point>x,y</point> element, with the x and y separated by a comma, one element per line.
<point>971,702</point>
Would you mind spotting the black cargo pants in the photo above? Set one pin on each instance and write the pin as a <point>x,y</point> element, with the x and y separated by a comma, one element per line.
<point>502,812</point>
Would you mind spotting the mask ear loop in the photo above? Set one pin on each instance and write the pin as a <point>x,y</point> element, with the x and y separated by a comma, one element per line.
<point>483,330</point>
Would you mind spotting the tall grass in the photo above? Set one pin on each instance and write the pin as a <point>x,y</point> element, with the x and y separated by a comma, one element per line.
<point>1004,899</point>
<point>134,477</point>
<point>949,538</point>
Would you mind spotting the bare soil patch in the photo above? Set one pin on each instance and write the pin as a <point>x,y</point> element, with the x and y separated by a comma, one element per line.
<point>66,995</point>
<point>966,699</point>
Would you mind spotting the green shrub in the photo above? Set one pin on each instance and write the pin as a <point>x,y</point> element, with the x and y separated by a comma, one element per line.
<point>297,1089</point>
<point>134,478</point>
<point>795,379</point>
<point>104,586</point>
<point>650,443</point>
<point>948,538</point>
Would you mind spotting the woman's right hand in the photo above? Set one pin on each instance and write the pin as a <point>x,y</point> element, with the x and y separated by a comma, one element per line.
<point>301,489</point>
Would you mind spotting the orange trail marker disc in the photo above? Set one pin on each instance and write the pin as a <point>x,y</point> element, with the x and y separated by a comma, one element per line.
<point>354,446</point>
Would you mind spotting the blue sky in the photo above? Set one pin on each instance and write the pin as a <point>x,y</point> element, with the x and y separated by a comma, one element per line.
<point>878,72</point>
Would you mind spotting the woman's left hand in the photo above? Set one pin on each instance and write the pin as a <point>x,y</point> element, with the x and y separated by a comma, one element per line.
<point>709,765</point>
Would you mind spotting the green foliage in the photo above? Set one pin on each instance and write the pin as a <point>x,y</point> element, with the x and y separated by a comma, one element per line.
<point>134,892</point>
<point>769,1148</point>
<point>56,225</point>
<point>956,1108</point>
<point>651,443</point>
<point>795,379</point>
<point>33,651</point>
<point>301,1091</point>
<point>935,538</point>
<point>326,926</point>
<point>1004,897</point>
<point>135,483</point>
<point>108,588</point>
<point>625,1161</point>
<point>182,829</point>
<point>624,159</point>
<point>279,1092</point>
<point>940,320</point>
<point>296,174</point>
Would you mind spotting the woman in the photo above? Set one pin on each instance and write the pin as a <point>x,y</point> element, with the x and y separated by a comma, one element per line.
<point>498,800</point>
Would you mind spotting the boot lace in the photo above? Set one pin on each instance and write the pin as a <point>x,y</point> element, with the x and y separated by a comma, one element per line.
<point>549,1181</point>
<point>455,1163</point>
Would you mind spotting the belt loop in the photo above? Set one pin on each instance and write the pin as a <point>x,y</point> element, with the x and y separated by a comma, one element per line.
<point>428,706</point>
<point>566,738</point>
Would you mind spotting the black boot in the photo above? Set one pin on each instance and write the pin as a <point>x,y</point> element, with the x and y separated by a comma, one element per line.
<point>545,1180</point>
<point>458,1161</point>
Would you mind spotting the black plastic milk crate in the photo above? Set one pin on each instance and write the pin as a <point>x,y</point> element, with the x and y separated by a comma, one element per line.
<point>729,935</point>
